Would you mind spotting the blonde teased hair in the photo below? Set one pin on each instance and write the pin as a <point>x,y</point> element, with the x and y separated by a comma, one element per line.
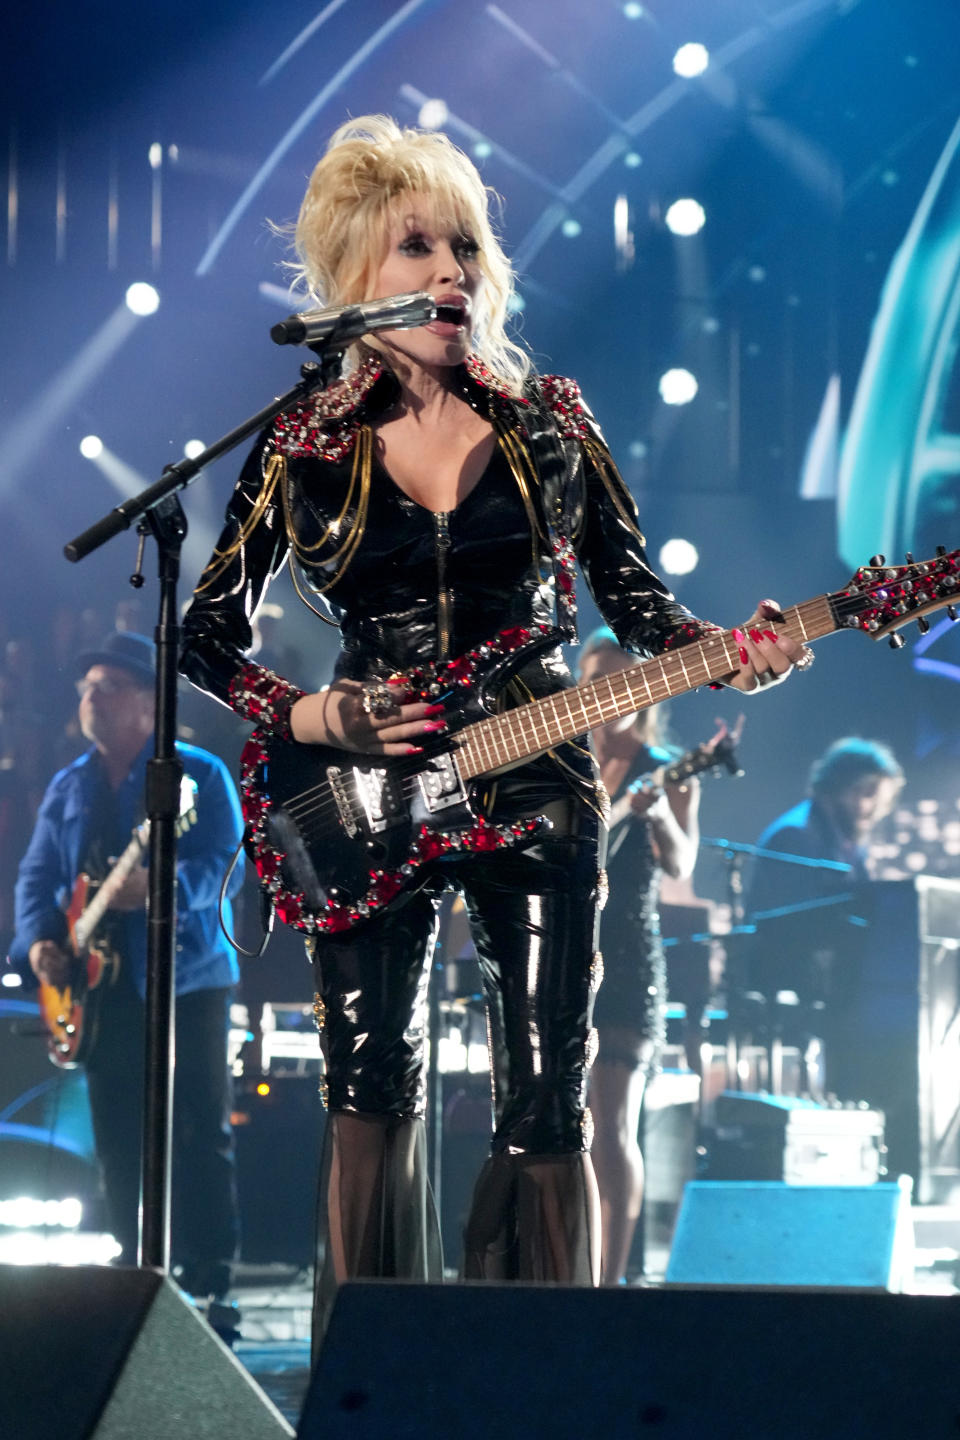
<point>341,232</point>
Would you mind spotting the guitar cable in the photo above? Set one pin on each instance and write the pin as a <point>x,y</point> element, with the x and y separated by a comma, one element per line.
<point>267,912</point>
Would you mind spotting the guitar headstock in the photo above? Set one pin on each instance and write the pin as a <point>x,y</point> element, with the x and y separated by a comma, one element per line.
<point>881,599</point>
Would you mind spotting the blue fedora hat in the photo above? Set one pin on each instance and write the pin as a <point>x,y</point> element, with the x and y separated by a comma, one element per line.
<point>126,650</point>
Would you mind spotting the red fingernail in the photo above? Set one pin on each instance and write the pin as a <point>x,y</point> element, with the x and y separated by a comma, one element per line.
<point>434,710</point>
<point>737,635</point>
<point>771,635</point>
<point>434,726</point>
<point>755,636</point>
<point>414,750</point>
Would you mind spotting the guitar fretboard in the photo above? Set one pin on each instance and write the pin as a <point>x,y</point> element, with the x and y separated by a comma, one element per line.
<point>502,740</point>
<point>93,914</point>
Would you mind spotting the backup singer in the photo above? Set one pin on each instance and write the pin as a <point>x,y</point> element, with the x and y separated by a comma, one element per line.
<point>657,836</point>
<point>434,497</point>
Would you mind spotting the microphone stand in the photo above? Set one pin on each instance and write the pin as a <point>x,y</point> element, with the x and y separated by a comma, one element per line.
<point>158,511</point>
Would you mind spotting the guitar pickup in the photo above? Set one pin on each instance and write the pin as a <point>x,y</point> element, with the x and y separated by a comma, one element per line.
<point>379,798</point>
<point>440,784</point>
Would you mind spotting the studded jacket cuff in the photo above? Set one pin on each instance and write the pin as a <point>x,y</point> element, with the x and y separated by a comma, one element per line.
<point>263,697</point>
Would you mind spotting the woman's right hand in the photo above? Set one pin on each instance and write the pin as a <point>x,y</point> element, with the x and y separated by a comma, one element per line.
<point>336,716</point>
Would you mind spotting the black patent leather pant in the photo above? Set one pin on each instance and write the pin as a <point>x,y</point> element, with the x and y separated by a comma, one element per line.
<point>533,918</point>
<point>535,1215</point>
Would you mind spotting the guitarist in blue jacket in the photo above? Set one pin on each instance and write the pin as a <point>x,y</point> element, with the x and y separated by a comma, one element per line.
<point>86,819</point>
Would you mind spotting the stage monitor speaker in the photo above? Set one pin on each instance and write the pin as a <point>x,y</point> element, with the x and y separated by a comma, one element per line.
<point>93,1353</point>
<point>745,1232</point>
<point>546,1362</point>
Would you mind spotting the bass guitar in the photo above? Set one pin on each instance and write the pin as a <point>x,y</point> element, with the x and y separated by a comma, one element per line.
<point>338,837</point>
<point>71,1014</point>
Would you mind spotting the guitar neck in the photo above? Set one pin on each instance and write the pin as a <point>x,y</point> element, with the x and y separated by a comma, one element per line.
<point>93,914</point>
<point>501,741</point>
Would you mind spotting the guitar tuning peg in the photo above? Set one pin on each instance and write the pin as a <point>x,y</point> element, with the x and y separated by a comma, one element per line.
<point>897,642</point>
<point>941,550</point>
<point>923,624</point>
<point>952,611</point>
<point>909,557</point>
<point>877,560</point>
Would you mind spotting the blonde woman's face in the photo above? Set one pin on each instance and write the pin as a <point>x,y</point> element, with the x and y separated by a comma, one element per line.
<point>424,254</point>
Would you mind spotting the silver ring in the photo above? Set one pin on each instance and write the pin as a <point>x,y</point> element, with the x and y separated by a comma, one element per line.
<point>806,659</point>
<point>378,701</point>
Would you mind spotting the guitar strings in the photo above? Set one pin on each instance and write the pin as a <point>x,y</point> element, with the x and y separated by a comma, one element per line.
<point>317,799</point>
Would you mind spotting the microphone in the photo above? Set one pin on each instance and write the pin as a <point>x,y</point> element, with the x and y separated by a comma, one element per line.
<point>337,326</point>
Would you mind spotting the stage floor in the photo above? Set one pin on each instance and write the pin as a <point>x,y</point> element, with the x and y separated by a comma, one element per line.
<point>275,1303</point>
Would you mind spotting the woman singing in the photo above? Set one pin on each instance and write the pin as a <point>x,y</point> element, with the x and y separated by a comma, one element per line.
<point>435,497</point>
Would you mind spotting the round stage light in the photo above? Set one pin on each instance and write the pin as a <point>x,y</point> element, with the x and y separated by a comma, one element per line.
<point>678,387</point>
<point>515,303</point>
<point>141,298</point>
<point>155,155</point>
<point>91,446</point>
<point>691,60</point>
<point>193,448</point>
<point>678,557</point>
<point>433,114</point>
<point>571,228</point>
<point>482,149</point>
<point>685,217</point>
<point>632,159</point>
<point>633,10</point>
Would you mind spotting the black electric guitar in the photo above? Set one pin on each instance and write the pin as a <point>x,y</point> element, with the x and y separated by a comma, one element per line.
<point>337,837</point>
<point>71,1014</point>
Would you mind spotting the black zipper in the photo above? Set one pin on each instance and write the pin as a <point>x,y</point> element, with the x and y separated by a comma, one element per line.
<point>441,526</point>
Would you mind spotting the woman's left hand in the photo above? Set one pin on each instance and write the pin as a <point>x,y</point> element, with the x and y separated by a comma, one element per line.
<point>766,657</point>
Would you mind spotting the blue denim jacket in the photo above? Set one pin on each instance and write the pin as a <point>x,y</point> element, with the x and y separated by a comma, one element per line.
<point>204,959</point>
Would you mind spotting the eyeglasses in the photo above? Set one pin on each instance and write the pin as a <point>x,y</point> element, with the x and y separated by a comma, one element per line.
<point>106,686</point>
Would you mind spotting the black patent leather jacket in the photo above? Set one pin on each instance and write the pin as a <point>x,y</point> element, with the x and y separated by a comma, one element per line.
<point>408,586</point>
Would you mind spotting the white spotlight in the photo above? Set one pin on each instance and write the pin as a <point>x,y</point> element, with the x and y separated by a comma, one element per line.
<point>155,155</point>
<point>141,298</point>
<point>690,60</point>
<point>482,149</point>
<point>678,557</point>
<point>685,217</point>
<point>193,448</point>
<point>10,980</point>
<point>571,227</point>
<point>515,303</point>
<point>678,387</point>
<point>433,114</point>
<point>91,446</point>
